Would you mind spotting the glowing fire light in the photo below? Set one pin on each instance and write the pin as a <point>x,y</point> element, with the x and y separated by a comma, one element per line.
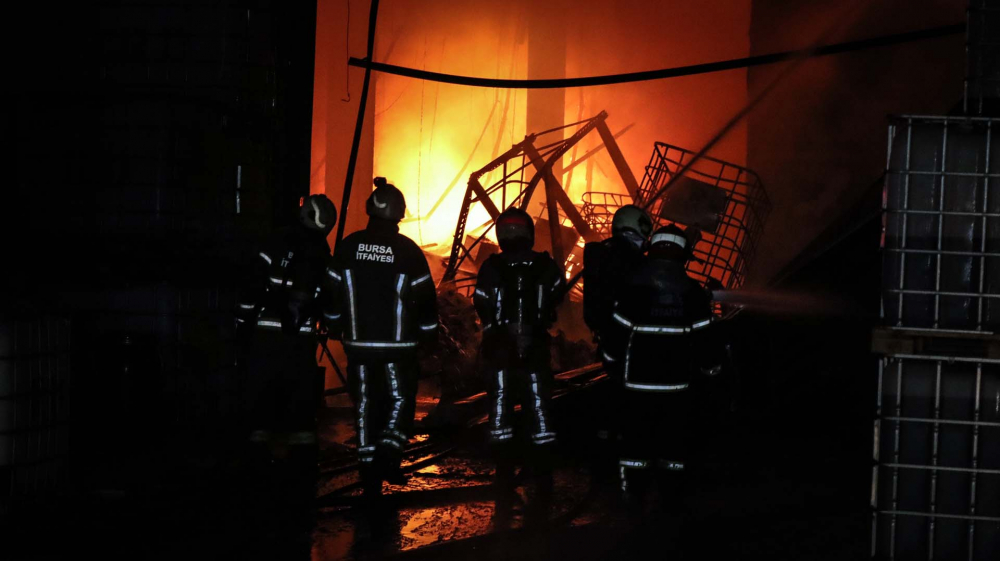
<point>429,137</point>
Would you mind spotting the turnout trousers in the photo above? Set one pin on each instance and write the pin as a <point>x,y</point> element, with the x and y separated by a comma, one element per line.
<point>384,400</point>
<point>283,387</point>
<point>526,379</point>
<point>281,397</point>
<point>656,433</point>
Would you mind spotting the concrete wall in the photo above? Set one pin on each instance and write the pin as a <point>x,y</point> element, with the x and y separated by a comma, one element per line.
<point>819,141</point>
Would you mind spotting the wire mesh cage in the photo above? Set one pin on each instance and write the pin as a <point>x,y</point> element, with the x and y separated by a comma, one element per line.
<point>936,476</point>
<point>726,202</point>
<point>599,208</point>
<point>941,225</point>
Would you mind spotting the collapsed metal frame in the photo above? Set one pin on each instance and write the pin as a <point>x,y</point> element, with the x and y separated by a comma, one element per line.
<point>511,190</point>
<point>893,413</point>
<point>723,254</point>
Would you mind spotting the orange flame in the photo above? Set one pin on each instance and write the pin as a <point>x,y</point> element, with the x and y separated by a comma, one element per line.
<point>429,137</point>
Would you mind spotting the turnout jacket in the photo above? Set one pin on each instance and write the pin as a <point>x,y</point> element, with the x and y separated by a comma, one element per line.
<point>607,265</point>
<point>284,286</point>
<point>516,297</point>
<point>518,292</point>
<point>383,301</point>
<point>661,329</point>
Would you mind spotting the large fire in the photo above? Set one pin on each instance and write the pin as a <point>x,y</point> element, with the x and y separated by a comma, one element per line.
<point>431,145</point>
<point>428,147</point>
<point>429,137</point>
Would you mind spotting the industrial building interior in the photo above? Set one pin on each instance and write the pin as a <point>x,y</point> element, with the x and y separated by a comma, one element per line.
<point>835,156</point>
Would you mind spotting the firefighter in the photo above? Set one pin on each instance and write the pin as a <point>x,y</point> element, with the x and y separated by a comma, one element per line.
<point>606,265</point>
<point>661,333</point>
<point>517,292</point>
<point>384,307</point>
<point>277,313</point>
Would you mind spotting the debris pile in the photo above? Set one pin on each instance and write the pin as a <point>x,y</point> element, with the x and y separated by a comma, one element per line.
<point>454,358</point>
<point>568,354</point>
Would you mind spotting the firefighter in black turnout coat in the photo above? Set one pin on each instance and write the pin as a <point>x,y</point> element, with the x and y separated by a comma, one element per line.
<point>384,307</point>
<point>607,266</point>
<point>516,295</point>
<point>277,314</point>
<point>661,334</point>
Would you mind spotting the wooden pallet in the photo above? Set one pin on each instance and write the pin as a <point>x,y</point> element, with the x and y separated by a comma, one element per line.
<point>964,344</point>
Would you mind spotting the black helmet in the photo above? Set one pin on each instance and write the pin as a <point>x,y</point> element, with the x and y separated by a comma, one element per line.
<point>631,217</point>
<point>670,242</point>
<point>386,201</point>
<point>318,214</point>
<point>515,230</point>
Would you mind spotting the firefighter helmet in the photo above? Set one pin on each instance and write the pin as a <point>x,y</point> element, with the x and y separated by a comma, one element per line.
<point>669,235</point>
<point>631,217</point>
<point>318,214</point>
<point>515,229</point>
<point>386,201</point>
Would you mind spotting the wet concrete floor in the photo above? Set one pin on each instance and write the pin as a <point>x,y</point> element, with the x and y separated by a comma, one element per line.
<point>760,494</point>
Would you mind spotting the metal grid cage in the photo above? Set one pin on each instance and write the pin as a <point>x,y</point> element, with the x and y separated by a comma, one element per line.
<point>599,208</point>
<point>731,226</point>
<point>941,225</point>
<point>936,475</point>
<point>982,75</point>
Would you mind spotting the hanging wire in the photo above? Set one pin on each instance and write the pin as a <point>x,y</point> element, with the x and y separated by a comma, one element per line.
<point>398,97</point>
<point>437,96</point>
<point>420,151</point>
<point>347,53</point>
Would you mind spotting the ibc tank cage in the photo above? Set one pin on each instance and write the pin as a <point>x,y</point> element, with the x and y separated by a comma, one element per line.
<point>725,201</point>
<point>941,224</point>
<point>936,475</point>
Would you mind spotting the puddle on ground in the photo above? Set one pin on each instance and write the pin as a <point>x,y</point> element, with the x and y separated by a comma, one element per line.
<point>423,527</point>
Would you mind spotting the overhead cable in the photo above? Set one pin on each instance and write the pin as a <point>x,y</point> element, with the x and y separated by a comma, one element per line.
<point>676,72</point>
